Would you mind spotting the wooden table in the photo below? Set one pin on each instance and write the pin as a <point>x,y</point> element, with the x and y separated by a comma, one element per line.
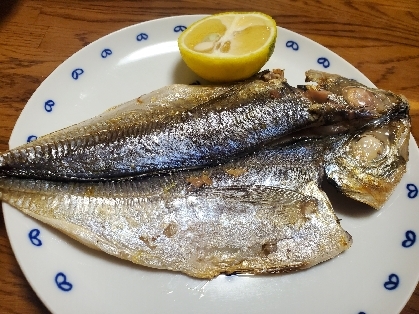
<point>379,37</point>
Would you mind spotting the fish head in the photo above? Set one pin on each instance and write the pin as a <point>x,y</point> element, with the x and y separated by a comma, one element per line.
<point>368,166</point>
<point>351,98</point>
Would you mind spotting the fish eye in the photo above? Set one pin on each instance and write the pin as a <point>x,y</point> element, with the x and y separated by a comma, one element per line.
<point>360,97</point>
<point>369,147</point>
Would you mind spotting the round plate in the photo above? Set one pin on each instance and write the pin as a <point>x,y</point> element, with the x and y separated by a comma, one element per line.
<point>376,275</point>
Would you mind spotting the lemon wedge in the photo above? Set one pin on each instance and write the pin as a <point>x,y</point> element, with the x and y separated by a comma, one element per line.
<point>228,46</point>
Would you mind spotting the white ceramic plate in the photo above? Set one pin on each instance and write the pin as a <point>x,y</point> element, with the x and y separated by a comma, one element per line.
<point>376,275</point>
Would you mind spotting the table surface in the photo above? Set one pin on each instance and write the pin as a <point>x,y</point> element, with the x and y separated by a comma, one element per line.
<point>379,37</point>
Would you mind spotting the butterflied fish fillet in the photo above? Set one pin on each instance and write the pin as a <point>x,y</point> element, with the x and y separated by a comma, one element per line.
<point>256,215</point>
<point>198,130</point>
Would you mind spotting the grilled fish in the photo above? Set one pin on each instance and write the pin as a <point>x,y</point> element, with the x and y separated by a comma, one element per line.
<point>258,214</point>
<point>139,138</point>
<point>254,215</point>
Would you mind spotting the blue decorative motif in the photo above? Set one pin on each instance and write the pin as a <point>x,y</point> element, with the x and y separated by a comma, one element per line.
<point>106,52</point>
<point>413,190</point>
<point>62,283</point>
<point>142,36</point>
<point>392,283</point>
<point>33,236</point>
<point>31,138</point>
<point>179,28</point>
<point>76,73</point>
<point>48,105</point>
<point>324,62</point>
<point>361,313</point>
<point>410,239</point>
<point>292,44</point>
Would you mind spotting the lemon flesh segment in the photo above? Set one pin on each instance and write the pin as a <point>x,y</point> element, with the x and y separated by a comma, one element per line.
<point>228,47</point>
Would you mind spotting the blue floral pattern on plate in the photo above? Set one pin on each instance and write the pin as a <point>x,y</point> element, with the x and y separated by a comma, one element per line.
<point>48,105</point>
<point>34,237</point>
<point>413,190</point>
<point>62,283</point>
<point>142,36</point>
<point>31,138</point>
<point>179,28</point>
<point>292,44</point>
<point>392,283</point>
<point>76,73</point>
<point>324,62</point>
<point>106,53</point>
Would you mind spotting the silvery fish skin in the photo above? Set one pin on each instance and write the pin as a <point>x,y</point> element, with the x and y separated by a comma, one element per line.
<point>255,215</point>
<point>367,166</point>
<point>141,139</point>
<point>57,145</point>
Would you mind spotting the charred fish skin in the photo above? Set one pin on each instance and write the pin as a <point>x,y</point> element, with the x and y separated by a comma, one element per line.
<point>367,166</point>
<point>125,143</point>
<point>204,233</point>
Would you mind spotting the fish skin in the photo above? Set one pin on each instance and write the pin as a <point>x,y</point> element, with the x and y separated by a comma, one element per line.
<point>346,165</point>
<point>313,157</point>
<point>370,178</point>
<point>341,91</point>
<point>200,227</point>
<point>127,141</point>
<point>272,217</point>
<point>59,143</point>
